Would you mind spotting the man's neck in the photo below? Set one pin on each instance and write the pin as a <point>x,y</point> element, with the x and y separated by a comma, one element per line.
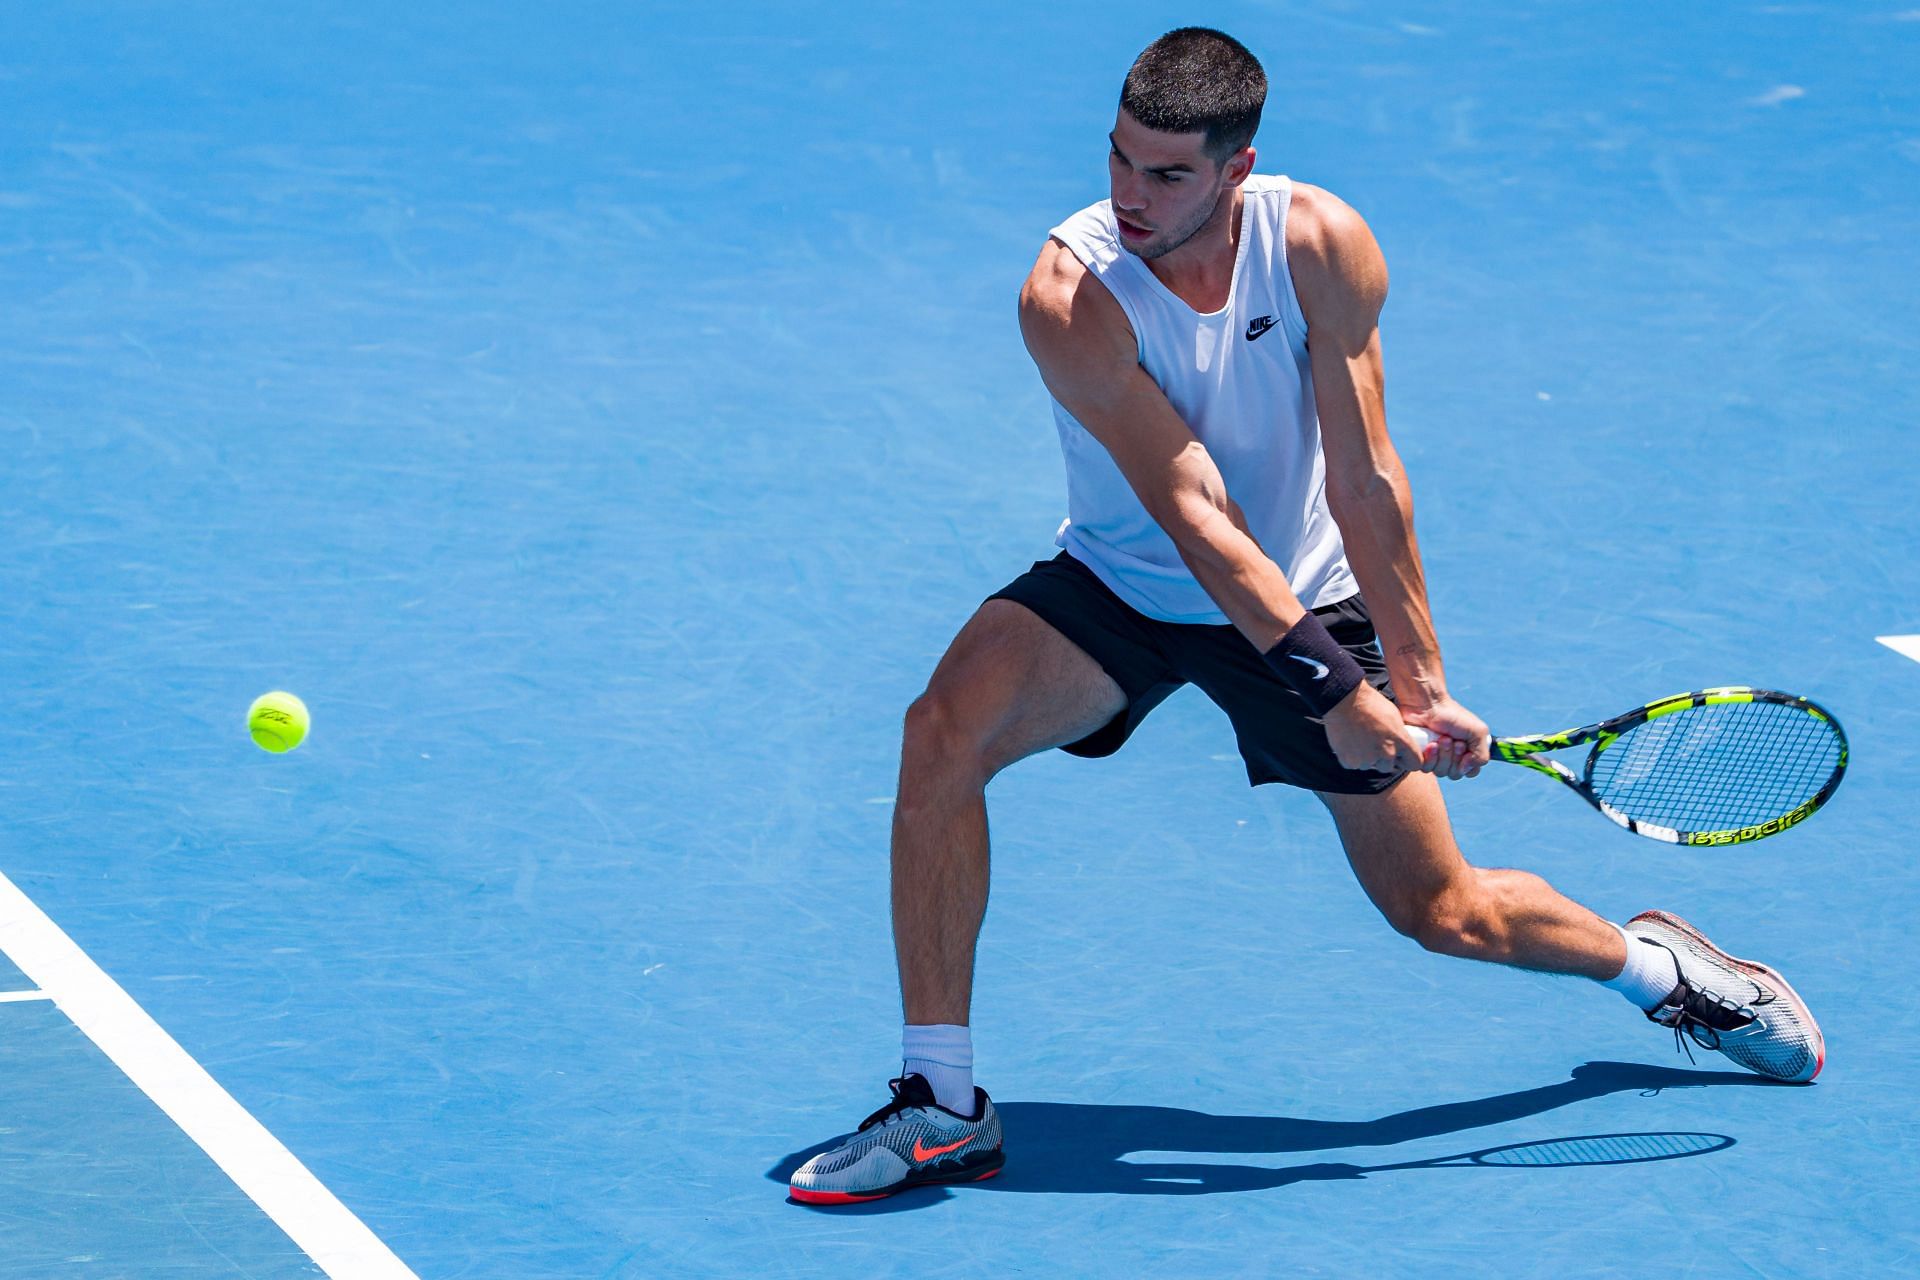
<point>1200,272</point>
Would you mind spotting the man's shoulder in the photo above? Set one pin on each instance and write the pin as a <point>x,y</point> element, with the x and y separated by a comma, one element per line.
<point>1073,325</point>
<point>1320,223</point>
<point>1060,284</point>
<point>1338,270</point>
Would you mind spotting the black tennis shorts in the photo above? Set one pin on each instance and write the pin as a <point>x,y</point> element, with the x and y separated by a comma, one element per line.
<point>1280,739</point>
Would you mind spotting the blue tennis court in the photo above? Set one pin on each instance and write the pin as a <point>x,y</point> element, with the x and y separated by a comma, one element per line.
<point>604,416</point>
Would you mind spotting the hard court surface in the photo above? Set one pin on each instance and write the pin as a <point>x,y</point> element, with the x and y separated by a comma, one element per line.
<point>604,415</point>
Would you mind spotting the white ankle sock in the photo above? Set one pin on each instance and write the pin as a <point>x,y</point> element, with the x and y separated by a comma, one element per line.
<point>943,1053</point>
<point>1650,975</point>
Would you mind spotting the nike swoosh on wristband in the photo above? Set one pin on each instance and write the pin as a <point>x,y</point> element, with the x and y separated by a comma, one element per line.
<point>927,1153</point>
<point>1319,668</point>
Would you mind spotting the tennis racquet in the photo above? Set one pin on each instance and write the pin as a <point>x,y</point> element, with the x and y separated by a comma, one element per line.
<point>1718,766</point>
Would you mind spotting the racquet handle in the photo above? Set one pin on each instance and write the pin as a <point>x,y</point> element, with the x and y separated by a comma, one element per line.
<point>1424,739</point>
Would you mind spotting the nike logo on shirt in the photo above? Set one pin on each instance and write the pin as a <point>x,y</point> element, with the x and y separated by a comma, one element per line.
<point>1257,327</point>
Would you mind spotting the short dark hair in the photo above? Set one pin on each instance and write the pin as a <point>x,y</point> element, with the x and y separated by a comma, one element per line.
<point>1197,79</point>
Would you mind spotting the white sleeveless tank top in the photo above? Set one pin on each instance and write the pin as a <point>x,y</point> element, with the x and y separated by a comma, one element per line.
<point>1239,378</point>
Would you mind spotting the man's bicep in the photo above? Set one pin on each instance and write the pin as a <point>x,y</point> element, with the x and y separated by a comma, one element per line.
<point>1341,278</point>
<point>1349,393</point>
<point>1077,335</point>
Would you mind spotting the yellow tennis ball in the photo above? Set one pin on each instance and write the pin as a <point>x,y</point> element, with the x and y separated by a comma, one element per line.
<point>278,721</point>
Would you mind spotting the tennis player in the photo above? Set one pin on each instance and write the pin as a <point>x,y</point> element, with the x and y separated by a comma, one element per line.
<point>1238,520</point>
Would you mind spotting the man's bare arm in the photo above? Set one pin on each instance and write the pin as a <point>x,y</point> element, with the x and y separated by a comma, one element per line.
<point>1079,337</point>
<point>1341,278</point>
<point>1088,357</point>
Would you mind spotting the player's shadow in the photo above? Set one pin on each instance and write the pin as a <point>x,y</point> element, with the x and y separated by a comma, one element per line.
<point>1075,1148</point>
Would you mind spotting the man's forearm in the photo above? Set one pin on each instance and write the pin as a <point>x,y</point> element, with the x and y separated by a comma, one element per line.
<point>1243,580</point>
<point>1254,593</point>
<point>1377,529</point>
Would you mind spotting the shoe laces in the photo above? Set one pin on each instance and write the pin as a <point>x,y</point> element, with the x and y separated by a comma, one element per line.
<point>905,1099</point>
<point>1700,1016</point>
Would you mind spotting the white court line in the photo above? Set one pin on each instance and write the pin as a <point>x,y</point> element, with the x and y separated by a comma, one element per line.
<point>14,997</point>
<point>1908,645</point>
<point>337,1241</point>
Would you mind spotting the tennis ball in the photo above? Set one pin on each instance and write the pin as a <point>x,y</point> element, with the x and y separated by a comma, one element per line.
<point>278,721</point>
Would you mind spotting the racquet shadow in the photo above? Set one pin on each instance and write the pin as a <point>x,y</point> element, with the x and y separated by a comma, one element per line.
<point>1077,1148</point>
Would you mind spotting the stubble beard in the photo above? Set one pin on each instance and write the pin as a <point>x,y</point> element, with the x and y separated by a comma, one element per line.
<point>1148,252</point>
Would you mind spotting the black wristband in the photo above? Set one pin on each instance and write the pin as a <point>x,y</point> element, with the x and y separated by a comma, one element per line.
<point>1314,665</point>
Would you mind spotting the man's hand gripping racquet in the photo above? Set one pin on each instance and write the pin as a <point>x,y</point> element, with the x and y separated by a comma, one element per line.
<point>1718,766</point>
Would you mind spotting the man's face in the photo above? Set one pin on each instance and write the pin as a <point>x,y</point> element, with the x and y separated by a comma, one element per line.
<point>1165,186</point>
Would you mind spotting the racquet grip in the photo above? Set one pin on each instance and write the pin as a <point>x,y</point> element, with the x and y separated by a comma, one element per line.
<point>1423,739</point>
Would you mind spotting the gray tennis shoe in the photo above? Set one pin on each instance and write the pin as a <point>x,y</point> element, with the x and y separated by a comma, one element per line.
<point>910,1142</point>
<point>1740,1008</point>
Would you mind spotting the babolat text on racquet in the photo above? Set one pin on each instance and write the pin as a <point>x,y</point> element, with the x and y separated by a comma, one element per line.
<point>1718,766</point>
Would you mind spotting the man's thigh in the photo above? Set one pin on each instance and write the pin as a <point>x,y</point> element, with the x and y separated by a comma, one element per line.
<point>1400,844</point>
<point>1071,604</point>
<point>1012,686</point>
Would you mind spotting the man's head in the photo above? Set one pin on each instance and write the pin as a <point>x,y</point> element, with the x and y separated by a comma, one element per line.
<point>1188,111</point>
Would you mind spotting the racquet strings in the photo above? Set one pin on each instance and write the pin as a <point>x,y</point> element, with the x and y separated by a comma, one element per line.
<point>1719,766</point>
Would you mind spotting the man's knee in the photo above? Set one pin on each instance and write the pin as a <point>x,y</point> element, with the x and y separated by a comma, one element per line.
<point>938,743</point>
<point>1450,919</point>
